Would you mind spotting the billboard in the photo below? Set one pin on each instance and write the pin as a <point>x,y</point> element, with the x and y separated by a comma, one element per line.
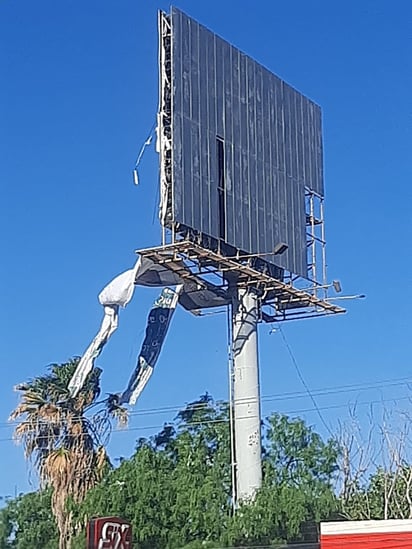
<point>240,146</point>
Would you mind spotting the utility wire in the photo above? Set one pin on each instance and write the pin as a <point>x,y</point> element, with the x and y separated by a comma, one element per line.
<point>216,421</point>
<point>146,143</point>
<point>288,396</point>
<point>327,391</point>
<point>302,379</point>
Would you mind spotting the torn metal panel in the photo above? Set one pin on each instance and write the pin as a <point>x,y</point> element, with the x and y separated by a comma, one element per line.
<point>163,143</point>
<point>195,297</point>
<point>156,275</point>
<point>196,293</point>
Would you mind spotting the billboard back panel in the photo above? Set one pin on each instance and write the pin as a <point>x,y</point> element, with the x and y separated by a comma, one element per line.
<point>244,146</point>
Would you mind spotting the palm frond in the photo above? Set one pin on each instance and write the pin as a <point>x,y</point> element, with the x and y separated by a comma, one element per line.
<point>117,411</point>
<point>63,445</point>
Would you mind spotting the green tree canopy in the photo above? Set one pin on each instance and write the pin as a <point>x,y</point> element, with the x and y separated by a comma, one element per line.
<point>27,522</point>
<point>176,487</point>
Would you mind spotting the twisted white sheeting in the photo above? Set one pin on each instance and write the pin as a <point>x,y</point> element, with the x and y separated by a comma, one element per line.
<point>116,294</point>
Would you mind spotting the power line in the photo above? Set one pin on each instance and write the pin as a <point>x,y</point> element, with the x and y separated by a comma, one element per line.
<point>216,421</point>
<point>140,428</point>
<point>302,379</point>
<point>327,391</point>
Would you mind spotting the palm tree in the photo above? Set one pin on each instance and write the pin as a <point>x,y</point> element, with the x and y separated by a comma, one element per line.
<point>65,446</point>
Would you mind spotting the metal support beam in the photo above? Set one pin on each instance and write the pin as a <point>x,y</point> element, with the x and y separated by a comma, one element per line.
<point>246,400</point>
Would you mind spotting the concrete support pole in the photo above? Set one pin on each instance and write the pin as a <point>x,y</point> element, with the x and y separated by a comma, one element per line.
<point>246,399</point>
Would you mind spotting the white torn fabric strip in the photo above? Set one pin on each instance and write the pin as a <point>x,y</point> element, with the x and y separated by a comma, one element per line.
<point>116,294</point>
<point>120,290</point>
<point>145,374</point>
<point>85,366</point>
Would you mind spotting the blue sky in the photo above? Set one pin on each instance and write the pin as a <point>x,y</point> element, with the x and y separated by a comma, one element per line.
<point>78,96</point>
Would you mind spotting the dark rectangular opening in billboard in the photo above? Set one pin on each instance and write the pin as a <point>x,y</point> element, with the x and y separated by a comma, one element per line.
<point>221,187</point>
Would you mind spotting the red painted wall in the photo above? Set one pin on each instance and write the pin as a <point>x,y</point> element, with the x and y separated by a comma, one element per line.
<point>390,540</point>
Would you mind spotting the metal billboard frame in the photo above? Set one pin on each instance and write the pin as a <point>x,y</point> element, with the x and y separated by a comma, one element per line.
<point>285,295</point>
<point>254,286</point>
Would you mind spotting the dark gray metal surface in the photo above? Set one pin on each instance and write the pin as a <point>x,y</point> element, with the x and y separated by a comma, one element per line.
<point>272,144</point>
